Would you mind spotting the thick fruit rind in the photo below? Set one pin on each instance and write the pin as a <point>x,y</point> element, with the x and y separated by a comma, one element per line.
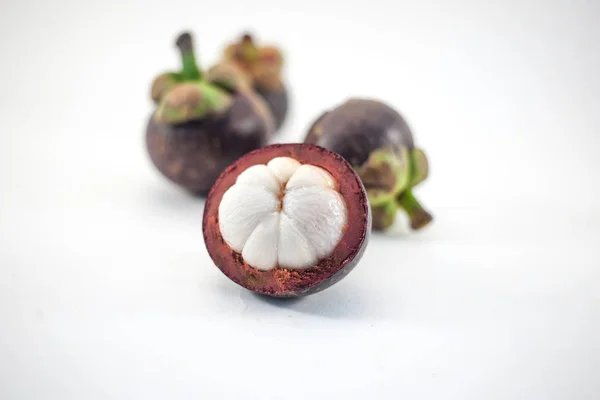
<point>281,282</point>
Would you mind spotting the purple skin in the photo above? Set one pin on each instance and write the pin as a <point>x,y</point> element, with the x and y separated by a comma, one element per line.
<point>194,154</point>
<point>359,127</point>
<point>278,104</point>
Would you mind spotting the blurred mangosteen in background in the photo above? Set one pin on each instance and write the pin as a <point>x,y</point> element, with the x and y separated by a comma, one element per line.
<point>263,64</point>
<point>378,143</point>
<point>198,127</point>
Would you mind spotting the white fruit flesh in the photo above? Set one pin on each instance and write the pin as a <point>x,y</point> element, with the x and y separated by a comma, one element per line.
<point>283,214</point>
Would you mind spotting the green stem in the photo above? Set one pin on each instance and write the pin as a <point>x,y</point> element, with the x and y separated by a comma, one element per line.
<point>419,217</point>
<point>189,70</point>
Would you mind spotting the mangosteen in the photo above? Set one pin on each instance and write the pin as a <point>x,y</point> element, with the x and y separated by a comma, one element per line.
<point>263,65</point>
<point>198,128</point>
<point>287,220</point>
<point>377,141</point>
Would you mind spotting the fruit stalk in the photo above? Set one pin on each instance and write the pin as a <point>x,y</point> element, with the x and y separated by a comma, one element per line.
<point>189,70</point>
<point>419,217</point>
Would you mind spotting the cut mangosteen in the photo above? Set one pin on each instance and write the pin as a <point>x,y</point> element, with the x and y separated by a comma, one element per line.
<point>199,128</point>
<point>379,144</point>
<point>263,65</point>
<point>287,220</point>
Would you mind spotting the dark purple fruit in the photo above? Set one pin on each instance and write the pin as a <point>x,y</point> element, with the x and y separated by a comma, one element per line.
<point>277,100</point>
<point>198,127</point>
<point>193,154</point>
<point>287,220</point>
<point>379,144</point>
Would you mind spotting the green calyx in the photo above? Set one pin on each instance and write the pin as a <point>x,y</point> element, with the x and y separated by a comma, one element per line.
<point>163,83</point>
<point>185,95</point>
<point>384,174</point>
<point>384,215</point>
<point>419,167</point>
<point>190,101</point>
<point>389,176</point>
<point>229,77</point>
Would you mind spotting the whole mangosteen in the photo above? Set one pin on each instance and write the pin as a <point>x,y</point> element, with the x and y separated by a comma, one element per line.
<point>263,65</point>
<point>379,144</point>
<point>198,128</point>
<point>287,220</point>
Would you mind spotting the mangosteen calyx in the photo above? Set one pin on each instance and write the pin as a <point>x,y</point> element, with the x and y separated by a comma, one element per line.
<point>230,77</point>
<point>415,171</point>
<point>162,84</point>
<point>385,174</point>
<point>262,63</point>
<point>186,95</point>
<point>245,66</point>
<point>189,101</point>
<point>384,215</point>
<point>389,175</point>
<point>419,166</point>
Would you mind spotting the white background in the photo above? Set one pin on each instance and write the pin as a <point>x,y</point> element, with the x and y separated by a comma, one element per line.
<point>107,291</point>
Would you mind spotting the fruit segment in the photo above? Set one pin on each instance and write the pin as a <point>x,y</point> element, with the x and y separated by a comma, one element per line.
<point>282,214</point>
